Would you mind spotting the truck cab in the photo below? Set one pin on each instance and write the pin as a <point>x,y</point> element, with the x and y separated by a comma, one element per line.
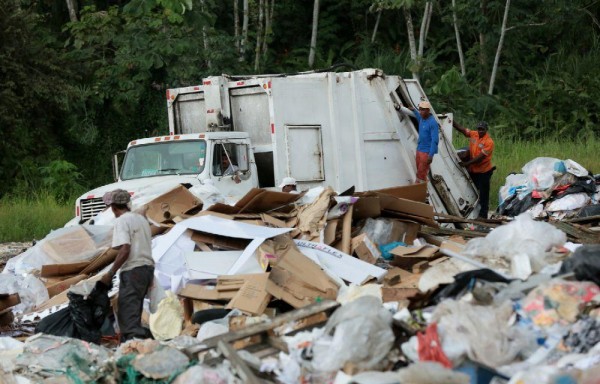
<point>155,165</point>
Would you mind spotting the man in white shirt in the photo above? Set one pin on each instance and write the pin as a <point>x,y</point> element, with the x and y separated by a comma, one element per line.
<point>132,238</point>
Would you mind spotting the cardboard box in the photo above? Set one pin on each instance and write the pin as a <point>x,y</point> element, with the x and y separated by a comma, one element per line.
<point>200,292</point>
<point>364,248</point>
<point>409,257</point>
<point>70,246</point>
<point>253,296</point>
<point>62,286</point>
<point>414,192</point>
<point>52,270</point>
<point>173,203</point>
<point>389,294</point>
<point>222,242</point>
<point>9,301</point>
<point>296,279</point>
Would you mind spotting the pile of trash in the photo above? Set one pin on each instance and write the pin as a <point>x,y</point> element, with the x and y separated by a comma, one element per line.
<point>550,188</point>
<point>316,287</point>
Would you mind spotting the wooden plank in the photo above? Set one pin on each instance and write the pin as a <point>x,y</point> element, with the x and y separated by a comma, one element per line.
<point>297,314</point>
<point>584,219</point>
<point>450,232</point>
<point>581,234</point>
<point>243,371</point>
<point>446,218</point>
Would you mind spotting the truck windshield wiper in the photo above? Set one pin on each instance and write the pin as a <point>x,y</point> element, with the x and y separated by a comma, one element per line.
<point>168,169</point>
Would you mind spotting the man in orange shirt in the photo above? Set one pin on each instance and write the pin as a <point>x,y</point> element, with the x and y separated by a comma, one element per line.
<point>481,148</point>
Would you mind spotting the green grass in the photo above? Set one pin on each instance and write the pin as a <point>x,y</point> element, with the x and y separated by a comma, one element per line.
<point>511,155</point>
<point>25,219</point>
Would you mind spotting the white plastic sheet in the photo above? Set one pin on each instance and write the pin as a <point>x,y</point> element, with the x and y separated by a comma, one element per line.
<point>31,290</point>
<point>569,202</point>
<point>541,171</point>
<point>521,236</point>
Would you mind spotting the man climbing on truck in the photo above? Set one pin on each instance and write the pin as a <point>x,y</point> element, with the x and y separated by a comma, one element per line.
<point>427,146</point>
<point>481,148</point>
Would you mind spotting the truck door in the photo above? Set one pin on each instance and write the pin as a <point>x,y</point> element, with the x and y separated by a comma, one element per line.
<point>187,112</point>
<point>304,152</point>
<point>450,183</point>
<point>250,113</point>
<point>231,167</point>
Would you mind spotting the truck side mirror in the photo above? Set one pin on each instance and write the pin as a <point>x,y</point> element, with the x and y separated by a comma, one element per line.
<point>116,164</point>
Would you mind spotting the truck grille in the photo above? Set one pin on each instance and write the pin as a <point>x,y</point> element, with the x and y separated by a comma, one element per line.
<point>91,207</point>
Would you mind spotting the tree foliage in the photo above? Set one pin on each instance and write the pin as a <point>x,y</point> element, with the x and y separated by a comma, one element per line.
<point>76,90</point>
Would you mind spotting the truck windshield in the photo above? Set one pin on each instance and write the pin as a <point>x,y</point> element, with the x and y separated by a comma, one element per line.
<point>164,158</point>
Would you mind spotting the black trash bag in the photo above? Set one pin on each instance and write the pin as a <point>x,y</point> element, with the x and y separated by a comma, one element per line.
<point>88,314</point>
<point>463,281</point>
<point>82,319</point>
<point>584,263</point>
<point>513,206</point>
<point>589,211</point>
<point>58,324</point>
<point>207,315</point>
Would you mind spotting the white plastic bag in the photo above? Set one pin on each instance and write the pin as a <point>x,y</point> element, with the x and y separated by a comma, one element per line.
<point>480,332</point>
<point>208,193</point>
<point>521,236</point>
<point>359,332</point>
<point>569,202</point>
<point>31,290</point>
<point>541,171</point>
<point>575,168</point>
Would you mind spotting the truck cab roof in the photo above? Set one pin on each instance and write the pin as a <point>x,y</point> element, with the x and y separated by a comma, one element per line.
<point>191,136</point>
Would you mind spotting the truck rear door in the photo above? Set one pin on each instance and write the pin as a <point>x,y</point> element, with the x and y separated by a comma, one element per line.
<point>451,181</point>
<point>187,110</point>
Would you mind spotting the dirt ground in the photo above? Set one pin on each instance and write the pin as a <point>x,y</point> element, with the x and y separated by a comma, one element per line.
<point>8,250</point>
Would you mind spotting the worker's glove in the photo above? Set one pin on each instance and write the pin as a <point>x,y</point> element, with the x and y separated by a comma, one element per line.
<point>106,279</point>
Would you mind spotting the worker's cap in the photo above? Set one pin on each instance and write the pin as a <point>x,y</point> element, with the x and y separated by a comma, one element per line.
<point>424,105</point>
<point>118,196</point>
<point>482,125</point>
<point>287,181</point>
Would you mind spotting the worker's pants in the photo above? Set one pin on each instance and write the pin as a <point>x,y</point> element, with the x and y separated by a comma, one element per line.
<point>422,160</point>
<point>132,289</point>
<point>482,182</point>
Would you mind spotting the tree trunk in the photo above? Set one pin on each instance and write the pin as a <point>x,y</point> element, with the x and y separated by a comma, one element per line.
<point>236,24</point>
<point>205,38</point>
<point>458,43</point>
<point>313,38</point>
<point>244,41</point>
<point>499,50</point>
<point>411,40</point>
<point>376,26</point>
<point>259,33</point>
<point>268,25</point>
<point>482,43</point>
<point>424,28</point>
<point>72,6</point>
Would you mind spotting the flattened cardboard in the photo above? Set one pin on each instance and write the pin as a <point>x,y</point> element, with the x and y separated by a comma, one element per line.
<point>201,292</point>
<point>173,203</point>
<point>69,246</point>
<point>346,229</point>
<point>414,192</point>
<point>100,261</point>
<point>266,201</point>
<point>406,206</point>
<point>52,270</point>
<point>9,301</point>
<point>413,258</point>
<point>364,248</point>
<point>367,206</point>
<point>222,208</point>
<point>253,296</point>
<point>390,294</point>
<point>331,229</point>
<point>62,286</point>
<point>220,241</point>
<point>234,282</point>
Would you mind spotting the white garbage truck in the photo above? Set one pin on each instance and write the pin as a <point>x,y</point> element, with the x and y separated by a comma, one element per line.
<point>337,129</point>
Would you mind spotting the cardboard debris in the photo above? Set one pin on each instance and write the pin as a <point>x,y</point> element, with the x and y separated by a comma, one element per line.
<point>201,292</point>
<point>252,296</point>
<point>312,217</point>
<point>295,278</point>
<point>100,261</point>
<point>364,248</point>
<point>173,203</point>
<point>61,286</point>
<point>409,257</point>
<point>52,270</point>
<point>70,246</point>
<point>340,264</point>
<point>9,300</point>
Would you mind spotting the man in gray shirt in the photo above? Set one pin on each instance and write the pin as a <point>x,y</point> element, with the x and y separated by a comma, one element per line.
<point>132,238</point>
